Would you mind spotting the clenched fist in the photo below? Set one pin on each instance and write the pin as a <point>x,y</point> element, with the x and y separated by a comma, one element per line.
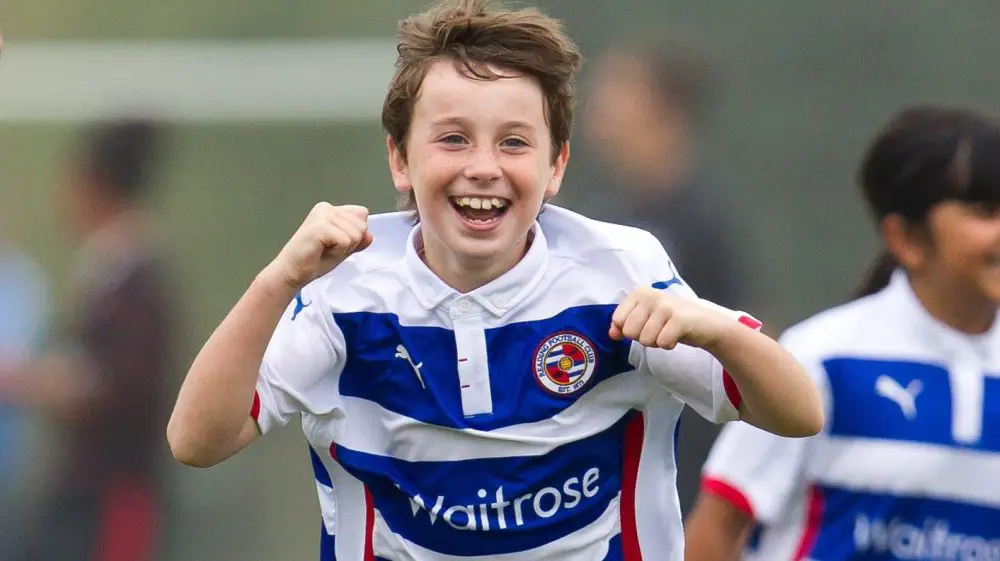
<point>656,318</point>
<point>327,236</point>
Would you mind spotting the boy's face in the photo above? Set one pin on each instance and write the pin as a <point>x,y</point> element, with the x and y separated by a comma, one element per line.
<point>479,161</point>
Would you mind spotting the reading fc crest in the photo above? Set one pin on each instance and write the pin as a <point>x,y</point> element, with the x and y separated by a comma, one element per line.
<point>564,363</point>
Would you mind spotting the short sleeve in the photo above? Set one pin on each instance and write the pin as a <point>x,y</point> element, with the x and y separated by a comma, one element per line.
<point>691,373</point>
<point>302,364</point>
<point>759,472</point>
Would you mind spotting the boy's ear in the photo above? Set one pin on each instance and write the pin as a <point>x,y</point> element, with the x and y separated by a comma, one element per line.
<point>398,166</point>
<point>558,171</point>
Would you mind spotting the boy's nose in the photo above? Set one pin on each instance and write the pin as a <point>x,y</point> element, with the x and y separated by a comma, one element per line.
<point>483,165</point>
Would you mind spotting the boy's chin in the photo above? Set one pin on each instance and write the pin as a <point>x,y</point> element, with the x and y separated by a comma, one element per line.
<point>484,250</point>
<point>477,249</point>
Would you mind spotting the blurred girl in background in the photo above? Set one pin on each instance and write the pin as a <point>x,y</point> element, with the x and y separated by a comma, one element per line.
<point>910,371</point>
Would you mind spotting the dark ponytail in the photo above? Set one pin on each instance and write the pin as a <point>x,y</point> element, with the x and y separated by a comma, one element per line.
<point>877,276</point>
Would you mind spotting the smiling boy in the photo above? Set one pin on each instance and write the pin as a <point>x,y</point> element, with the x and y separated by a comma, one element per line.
<point>495,380</point>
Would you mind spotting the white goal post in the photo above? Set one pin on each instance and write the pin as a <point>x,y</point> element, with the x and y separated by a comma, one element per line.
<point>200,81</point>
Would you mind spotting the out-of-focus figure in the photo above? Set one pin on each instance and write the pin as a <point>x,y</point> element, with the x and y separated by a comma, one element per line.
<point>23,315</point>
<point>645,104</point>
<point>644,107</point>
<point>907,465</point>
<point>100,385</point>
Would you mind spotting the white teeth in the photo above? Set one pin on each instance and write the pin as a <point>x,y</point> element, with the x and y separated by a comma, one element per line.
<point>480,202</point>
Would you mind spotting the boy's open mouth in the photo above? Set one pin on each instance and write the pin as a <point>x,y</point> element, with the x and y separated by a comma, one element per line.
<point>481,210</point>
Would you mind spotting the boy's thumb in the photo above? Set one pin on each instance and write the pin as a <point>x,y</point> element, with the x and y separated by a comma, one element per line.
<point>366,241</point>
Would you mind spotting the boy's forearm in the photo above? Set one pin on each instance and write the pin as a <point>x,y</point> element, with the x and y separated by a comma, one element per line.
<point>777,394</point>
<point>214,401</point>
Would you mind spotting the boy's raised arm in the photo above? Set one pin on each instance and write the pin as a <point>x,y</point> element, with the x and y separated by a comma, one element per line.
<point>776,394</point>
<point>211,418</point>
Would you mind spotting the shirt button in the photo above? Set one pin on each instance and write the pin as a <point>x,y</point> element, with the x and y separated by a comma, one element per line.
<point>500,301</point>
<point>464,305</point>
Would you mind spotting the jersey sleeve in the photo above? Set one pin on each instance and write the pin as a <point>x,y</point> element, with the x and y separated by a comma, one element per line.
<point>758,472</point>
<point>753,470</point>
<point>302,363</point>
<point>691,373</point>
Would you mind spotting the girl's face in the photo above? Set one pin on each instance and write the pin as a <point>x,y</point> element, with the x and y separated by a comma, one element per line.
<point>963,252</point>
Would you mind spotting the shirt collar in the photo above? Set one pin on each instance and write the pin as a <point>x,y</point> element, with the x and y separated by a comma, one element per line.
<point>496,297</point>
<point>936,332</point>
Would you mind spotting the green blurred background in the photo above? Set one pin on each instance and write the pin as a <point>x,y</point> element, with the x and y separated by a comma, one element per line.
<point>804,85</point>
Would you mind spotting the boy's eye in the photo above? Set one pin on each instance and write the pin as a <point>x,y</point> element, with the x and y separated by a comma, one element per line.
<point>452,139</point>
<point>514,142</point>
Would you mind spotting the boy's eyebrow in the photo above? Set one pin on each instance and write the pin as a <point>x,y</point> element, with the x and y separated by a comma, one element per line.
<point>518,125</point>
<point>449,121</point>
<point>462,121</point>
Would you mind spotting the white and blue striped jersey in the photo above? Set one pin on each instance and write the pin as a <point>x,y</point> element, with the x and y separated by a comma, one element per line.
<point>502,424</point>
<point>908,466</point>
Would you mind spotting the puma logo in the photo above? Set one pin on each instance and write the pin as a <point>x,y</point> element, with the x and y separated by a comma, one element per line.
<point>402,353</point>
<point>299,306</point>
<point>905,398</point>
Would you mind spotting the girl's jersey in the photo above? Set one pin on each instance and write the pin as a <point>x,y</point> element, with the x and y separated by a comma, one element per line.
<point>501,424</point>
<point>908,465</point>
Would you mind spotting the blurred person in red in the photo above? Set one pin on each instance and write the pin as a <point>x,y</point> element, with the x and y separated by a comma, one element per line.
<point>24,303</point>
<point>101,384</point>
<point>644,107</point>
